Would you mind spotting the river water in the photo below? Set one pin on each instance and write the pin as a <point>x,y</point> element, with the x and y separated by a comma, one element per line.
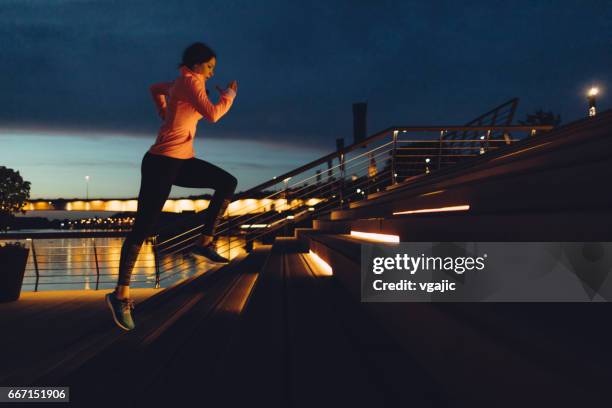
<point>87,263</point>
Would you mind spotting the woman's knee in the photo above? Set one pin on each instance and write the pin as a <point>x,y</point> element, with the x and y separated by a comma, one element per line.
<point>232,182</point>
<point>229,184</point>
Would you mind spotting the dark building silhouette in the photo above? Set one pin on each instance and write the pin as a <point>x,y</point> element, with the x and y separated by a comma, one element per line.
<point>360,127</point>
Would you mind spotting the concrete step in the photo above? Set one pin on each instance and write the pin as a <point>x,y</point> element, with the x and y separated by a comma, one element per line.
<point>302,342</point>
<point>162,330</point>
<point>576,226</point>
<point>289,245</point>
<point>527,347</point>
<point>197,346</point>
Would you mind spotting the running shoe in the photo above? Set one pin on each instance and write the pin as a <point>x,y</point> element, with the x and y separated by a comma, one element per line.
<point>209,253</point>
<point>121,310</point>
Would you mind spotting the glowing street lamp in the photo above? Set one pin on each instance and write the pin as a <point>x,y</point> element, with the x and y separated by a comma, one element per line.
<point>87,187</point>
<point>591,98</point>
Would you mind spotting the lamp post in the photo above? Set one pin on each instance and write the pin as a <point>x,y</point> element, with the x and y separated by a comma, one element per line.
<point>87,187</point>
<point>591,98</point>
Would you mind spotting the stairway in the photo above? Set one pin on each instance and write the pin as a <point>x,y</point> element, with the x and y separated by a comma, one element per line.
<point>548,189</point>
<point>269,329</point>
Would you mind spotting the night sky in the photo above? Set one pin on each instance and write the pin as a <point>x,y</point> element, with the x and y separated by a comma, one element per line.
<point>74,76</point>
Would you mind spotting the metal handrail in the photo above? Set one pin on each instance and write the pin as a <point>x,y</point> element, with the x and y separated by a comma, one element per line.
<point>378,136</point>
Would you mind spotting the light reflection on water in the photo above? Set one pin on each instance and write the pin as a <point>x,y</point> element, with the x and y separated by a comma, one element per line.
<point>70,263</point>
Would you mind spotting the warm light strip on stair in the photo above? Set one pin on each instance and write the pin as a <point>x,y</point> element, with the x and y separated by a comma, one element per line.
<point>247,289</point>
<point>324,266</point>
<point>522,151</point>
<point>434,210</point>
<point>376,237</point>
<point>432,193</point>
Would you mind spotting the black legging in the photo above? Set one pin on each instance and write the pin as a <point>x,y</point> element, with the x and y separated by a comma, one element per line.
<point>158,174</point>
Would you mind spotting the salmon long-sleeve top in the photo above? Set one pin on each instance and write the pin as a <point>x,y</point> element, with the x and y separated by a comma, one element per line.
<point>183,102</point>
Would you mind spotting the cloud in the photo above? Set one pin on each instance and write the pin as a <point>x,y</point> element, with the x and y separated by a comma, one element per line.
<point>87,65</point>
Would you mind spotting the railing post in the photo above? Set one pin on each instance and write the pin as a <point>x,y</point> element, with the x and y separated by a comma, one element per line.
<point>156,258</point>
<point>287,205</point>
<point>228,228</point>
<point>341,181</point>
<point>440,149</point>
<point>35,264</point>
<point>97,266</point>
<point>487,138</point>
<point>507,137</point>
<point>393,149</point>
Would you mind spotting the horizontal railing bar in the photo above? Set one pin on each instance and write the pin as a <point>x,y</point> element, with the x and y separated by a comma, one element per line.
<point>447,148</point>
<point>85,282</point>
<point>429,155</point>
<point>93,268</point>
<point>93,275</point>
<point>380,135</point>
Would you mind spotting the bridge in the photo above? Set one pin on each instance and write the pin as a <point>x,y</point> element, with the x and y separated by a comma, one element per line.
<point>178,205</point>
<point>284,325</point>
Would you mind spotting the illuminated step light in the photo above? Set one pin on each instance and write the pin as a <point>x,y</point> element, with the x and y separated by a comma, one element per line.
<point>432,193</point>
<point>311,209</point>
<point>325,268</point>
<point>249,226</point>
<point>376,237</point>
<point>290,217</point>
<point>522,151</point>
<point>434,210</point>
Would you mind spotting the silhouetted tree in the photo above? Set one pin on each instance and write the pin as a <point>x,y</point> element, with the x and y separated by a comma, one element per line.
<point>541,118</point>
<point>14,192</point>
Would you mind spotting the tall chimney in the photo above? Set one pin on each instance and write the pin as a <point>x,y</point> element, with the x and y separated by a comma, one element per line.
<point>339,144</point>
<point>360,127</point>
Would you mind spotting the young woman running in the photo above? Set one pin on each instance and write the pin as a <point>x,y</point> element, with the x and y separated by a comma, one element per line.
<point>170,161</point>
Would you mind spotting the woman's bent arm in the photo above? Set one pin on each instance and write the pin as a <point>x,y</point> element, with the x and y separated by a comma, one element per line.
<point>159,93</point>
<point>198,98</point>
